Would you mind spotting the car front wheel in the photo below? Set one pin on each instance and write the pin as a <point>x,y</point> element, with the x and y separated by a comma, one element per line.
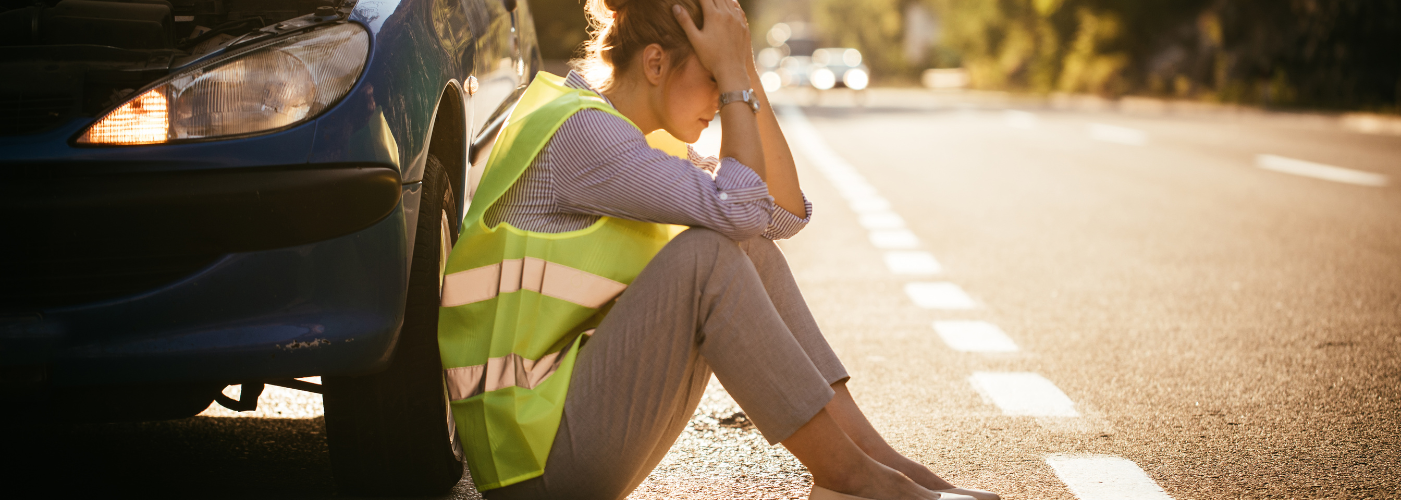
<point>388,432</point>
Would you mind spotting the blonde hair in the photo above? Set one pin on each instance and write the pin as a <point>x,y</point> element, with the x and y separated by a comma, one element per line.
<point>620,29</point>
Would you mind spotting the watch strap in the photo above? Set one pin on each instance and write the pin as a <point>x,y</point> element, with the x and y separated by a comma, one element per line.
<point>746,96</point>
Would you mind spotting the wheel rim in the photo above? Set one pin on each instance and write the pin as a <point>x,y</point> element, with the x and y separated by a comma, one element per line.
<point>444,248</point>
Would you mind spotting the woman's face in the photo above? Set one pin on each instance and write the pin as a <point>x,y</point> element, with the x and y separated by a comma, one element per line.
<point>689,99</point>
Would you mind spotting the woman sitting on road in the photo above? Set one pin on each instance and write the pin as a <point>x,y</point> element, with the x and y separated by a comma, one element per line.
<point>573,208</point>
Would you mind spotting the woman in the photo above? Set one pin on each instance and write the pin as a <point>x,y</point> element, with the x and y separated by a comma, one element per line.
<point>569,215</point>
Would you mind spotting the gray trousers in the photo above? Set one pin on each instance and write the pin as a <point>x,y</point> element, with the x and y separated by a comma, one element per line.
<point>703,303</point>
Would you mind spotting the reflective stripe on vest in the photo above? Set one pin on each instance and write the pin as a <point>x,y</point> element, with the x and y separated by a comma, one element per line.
<point>506,371</point>
<point>540,276</point>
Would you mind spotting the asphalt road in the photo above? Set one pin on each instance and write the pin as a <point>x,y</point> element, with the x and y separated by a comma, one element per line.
<point>1233,331</point>
<point>1169,306</point>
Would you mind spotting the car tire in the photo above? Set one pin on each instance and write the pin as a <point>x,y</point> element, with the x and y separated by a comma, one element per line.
<point>388,432</point>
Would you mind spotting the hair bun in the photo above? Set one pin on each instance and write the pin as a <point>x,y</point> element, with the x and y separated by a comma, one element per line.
<point>616,5</point>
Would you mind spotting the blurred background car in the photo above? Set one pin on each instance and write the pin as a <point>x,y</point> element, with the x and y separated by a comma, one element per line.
<point>793,60</point>
<point>787,61</point>
<point>838,67</point>
<point>205,193</point>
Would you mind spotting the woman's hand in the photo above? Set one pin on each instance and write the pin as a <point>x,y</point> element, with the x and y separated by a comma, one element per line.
<point>723,47</point>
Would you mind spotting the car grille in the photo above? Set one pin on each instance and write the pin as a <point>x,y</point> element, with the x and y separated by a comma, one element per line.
<point>27,114</point>
<point>44,278</point>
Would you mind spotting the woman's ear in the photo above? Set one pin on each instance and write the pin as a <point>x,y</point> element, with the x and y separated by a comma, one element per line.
<point>654,61</point>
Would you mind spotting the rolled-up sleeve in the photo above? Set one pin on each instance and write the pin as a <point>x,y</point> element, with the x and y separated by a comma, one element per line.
<point>782,224</point>
<point>602,165</point>
<point>785,224</point>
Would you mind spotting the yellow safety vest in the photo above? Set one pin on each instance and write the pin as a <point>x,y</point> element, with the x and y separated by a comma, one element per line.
<point>517,305</point>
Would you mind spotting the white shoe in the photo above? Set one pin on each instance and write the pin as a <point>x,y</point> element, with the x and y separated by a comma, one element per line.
<point>953,493</point>
<point>820,493</point>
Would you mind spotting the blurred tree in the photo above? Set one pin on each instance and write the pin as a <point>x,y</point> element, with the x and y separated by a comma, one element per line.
<point>865,25</point>
<point>1335,53</point>
<point>1003,43</point>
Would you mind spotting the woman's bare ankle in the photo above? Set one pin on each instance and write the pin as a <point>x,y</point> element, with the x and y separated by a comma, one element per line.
<point>875,481</point>
<point>918,473</point>
<point>840,465</point>
<point>845,480</point>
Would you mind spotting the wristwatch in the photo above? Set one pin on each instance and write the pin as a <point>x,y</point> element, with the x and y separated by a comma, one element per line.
<point>746,96</point>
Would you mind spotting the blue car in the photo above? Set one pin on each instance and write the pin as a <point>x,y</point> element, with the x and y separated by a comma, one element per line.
<point>199,193</point>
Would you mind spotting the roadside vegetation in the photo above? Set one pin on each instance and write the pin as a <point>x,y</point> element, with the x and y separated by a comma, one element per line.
<point>1339,54</point>
<point>1314,53</point>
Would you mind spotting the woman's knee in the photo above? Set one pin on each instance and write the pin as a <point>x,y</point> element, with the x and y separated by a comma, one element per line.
<point>701,235</point>
<point>699,242</point>
<point>760,247</point>
<point>764,253</point>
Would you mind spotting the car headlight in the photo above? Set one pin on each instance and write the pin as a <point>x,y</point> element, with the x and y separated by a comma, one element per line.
<point>856,79</point>
<point>823,79</point>
<point>283,83</point>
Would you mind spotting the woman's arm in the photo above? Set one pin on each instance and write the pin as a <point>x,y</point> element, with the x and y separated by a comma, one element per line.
<point>778,159</point>
<point>599,164</point>
<point>752,138</point>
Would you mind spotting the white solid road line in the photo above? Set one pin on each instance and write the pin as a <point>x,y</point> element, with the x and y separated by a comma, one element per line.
<point>899,239</point>
<point>1019,119</point>
<point>939,295</point>
<point>974,336</point>
<point>913,263</point>
<point>1023,394</point>
<point>881,220</point>
<point>1319,171</point>
<point>1105,477</point>
<point>1117,134</point>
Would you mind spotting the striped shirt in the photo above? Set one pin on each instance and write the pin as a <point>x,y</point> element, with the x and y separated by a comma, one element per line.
<point>599,165</point>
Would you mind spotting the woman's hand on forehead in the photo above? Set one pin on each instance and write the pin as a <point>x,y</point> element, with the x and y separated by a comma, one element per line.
<point>723,47</point>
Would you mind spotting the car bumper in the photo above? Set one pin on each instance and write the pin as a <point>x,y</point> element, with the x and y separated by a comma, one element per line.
<point>168,270</point>
<point>323,308</point>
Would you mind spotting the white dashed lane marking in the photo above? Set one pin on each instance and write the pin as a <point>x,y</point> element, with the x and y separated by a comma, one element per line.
<point>1023,394</point>
<point>1117,134</point>
<point>913,263</point>
<point>899,239</point>
<point>845,175</point>
<point>881,220</point>
<point>887,228</point>
<point>869,204</point>
<point>1104,477</point>
<point>940,295</point>
<point>974,336</point>
<point>1319,171</point>
<point>856,190</point>
<point>1017,393</point>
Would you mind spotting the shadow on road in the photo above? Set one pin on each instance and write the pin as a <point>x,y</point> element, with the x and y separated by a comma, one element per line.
<point>202,457</point>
